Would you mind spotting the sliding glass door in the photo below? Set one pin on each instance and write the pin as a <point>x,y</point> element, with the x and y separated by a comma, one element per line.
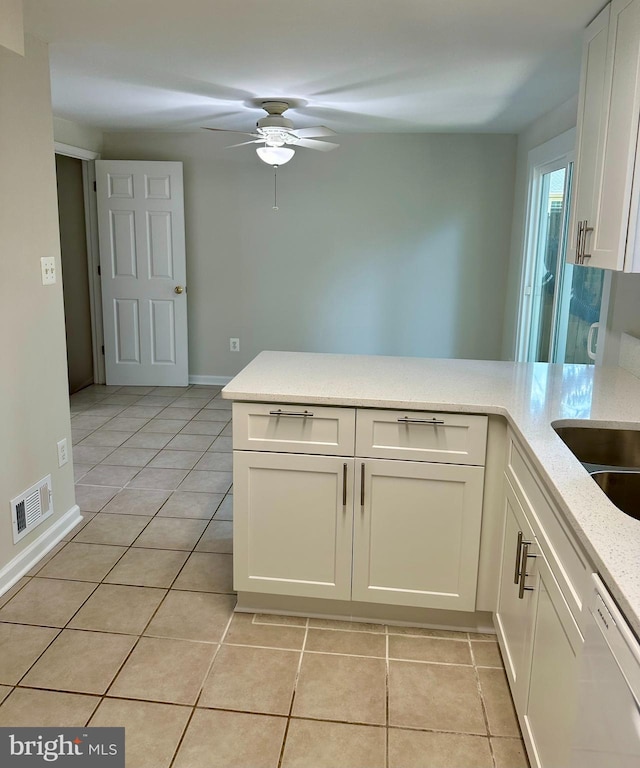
<point>561,303</point>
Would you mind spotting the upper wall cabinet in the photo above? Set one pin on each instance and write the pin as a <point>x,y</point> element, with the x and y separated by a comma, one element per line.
<point>606,195</point>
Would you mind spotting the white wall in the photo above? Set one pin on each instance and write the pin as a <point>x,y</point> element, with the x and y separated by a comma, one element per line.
<point>34,406</point>
<point>391,244</point>
<point>543,129</point>
<point>76,135</point>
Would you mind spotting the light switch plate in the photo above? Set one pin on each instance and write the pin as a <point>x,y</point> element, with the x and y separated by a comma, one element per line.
<point>48,266</point>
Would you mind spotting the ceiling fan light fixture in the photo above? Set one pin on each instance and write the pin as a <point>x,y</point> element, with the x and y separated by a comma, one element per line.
<point>275,155</point>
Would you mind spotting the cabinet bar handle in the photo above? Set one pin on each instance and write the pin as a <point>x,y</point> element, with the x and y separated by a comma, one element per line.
<point>578,241</point>
<point>407,420</point>
<point>280,412</point>
<point>585,229</point>
<point>344,485</point>
<point>362,485</point>
<point>523,570</point>
<point>516,577</point>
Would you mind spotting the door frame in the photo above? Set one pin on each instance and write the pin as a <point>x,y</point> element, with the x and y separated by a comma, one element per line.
<point>88,159</point>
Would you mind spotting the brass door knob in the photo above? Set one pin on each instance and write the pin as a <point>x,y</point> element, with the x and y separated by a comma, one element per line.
<point>178,289</point>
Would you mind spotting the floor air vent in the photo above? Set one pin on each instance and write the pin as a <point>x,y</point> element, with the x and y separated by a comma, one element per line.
<point>30,508</point>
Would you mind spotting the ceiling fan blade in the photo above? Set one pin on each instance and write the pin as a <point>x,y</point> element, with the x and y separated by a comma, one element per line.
<point>243,143</point>
<point>324,146</point>
<point>312,133</point>
<point>225,130</point>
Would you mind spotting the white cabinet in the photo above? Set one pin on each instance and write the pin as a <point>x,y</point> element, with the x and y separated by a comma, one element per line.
<point>446,438</point>
<point>538,633</point>
<point>293,519</point>
<point>607,187</point>
<point>553,684</point>
<point>416,534</point>
<point>294,429</point>
<point>365,528</point>
<point>515,614</point>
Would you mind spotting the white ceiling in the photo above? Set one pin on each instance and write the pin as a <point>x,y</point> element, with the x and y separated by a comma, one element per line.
<point>353,65</point>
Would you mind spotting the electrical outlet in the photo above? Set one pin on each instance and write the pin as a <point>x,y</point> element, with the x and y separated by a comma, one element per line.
<point>48,267</point>
<point>234,345</point>
<point>63,453</point>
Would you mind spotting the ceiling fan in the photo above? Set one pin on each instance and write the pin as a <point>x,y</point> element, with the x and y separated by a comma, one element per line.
<point>278,135</point>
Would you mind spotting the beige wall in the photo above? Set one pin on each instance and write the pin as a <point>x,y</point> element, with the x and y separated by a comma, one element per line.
<point>543,129</point>
<point>34,407</point>
<point>12,26</point>
<point>391,244</point>
<point>76,135</point>
<point>624,314</point>
<point>75,277</point>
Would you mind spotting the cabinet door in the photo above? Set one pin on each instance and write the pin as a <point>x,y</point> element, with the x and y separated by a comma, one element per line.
<point>515,614</point>
<point>293,518</point>
<point>619,137</point>
<point>416,533</point>
<point>591,106</point>
<point>557,643</point>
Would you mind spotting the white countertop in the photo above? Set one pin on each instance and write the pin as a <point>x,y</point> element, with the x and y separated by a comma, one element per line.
<point>529,395</point>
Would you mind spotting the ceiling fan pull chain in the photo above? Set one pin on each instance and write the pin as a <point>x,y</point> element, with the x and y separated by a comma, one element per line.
<point>275,187</point>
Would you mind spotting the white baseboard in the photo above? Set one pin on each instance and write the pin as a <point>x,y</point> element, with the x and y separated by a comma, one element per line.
<point>215,381</point>
<point>24,561</point>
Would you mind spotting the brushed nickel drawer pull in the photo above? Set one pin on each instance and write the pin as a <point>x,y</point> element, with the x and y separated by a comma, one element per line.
<point>578,241</point>
<point>344,485</point>
<point>433,422</point>
<point>585,230</point>
<point>280,412</point>
<point>523,570</point>
<point>516,577</point>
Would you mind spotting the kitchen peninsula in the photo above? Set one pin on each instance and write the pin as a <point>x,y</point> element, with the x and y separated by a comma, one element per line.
<point>525,398</point>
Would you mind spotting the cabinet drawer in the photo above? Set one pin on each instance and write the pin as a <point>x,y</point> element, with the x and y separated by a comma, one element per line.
<point>563,553</point>
<point>448,438</point>
<point>283,428</point>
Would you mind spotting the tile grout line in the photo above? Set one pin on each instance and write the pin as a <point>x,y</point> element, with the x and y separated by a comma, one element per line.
<point>387,691</point>
<point>483,705</point>
<point>293,693</point>
<point>199,695</point>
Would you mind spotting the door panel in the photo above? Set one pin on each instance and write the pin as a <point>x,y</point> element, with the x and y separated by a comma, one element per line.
<point>557,643</point>
<point>123,244</point>
<point>417,534</point>
<point>163,348</point>
<point>515,615</point>
<point>142,253</point>
<point>127,331</point>
<point>292,529</point>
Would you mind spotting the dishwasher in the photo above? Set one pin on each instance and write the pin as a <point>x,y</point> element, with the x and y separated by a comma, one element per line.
<point>607,728</point>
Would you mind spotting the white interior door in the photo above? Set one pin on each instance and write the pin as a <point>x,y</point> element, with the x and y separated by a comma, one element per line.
<point>143,266</point>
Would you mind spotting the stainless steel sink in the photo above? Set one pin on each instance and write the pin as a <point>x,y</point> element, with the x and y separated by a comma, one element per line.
<point>600,447</point>
<point>622,488</point>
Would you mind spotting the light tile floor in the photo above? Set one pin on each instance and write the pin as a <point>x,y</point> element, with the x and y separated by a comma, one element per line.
<point>129,621</point>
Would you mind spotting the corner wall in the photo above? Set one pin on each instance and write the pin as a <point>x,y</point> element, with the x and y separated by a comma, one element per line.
<point>83,136</point>
<point>547,127</point>
<point>392,244</point>
<point>34,405</point>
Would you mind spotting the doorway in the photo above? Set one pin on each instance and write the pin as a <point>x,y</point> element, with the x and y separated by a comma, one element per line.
<point>75,176</point>
<point>75,277</point>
